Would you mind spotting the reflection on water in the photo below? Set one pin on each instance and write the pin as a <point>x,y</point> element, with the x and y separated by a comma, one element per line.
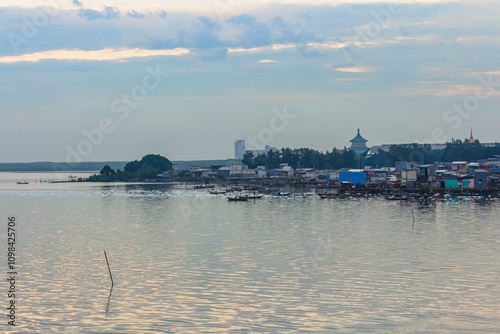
<point>109,302</point>
<point>185,261</point>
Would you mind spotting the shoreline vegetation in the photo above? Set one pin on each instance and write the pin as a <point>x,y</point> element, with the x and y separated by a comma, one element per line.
<point>138,170</point>
<point>456,150</point>
<point>92,166</point>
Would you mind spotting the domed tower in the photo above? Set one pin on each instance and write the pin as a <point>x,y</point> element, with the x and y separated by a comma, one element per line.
<point>358,144</point>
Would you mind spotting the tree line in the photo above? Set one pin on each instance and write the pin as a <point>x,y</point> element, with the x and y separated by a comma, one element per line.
<point>147,168</point>
<point>302,158</point>
<point>456,150</point>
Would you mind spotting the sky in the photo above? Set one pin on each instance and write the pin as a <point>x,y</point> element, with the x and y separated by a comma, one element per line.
<point>115,80</point>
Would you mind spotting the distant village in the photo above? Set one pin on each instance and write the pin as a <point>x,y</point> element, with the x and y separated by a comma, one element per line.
<point>479,175</point>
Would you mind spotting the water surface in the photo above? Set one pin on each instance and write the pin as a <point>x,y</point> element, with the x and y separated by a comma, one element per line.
<point>185,261</point>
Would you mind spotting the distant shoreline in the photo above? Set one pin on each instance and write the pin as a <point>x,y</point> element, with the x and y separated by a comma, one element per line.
<point>96,166</point>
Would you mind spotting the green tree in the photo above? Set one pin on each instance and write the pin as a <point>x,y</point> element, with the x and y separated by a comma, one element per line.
<point>248,159</point>
<point>419,153</point>
<point>147,168</point>
<point>273,159</point>
<point>290,157</point>
<point>107,171</point>
<point>464,150</point>
<point>347,158</point>
<point>157,162</point>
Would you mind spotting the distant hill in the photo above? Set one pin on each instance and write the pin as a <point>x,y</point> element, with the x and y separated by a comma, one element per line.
<point>97,166</point>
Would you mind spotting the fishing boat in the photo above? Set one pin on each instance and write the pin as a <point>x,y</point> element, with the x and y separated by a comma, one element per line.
<point>255,196</point>
<point>22,182</point>
<point>281,194</point>
<point>217,192</point>
<point>237,198</point>
<point>206,186</point>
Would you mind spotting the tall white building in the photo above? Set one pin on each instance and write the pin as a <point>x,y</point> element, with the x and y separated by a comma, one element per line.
<point>239,149</point>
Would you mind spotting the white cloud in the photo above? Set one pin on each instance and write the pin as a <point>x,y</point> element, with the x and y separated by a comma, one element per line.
<point>475,74</point>
<point>200,6</point>
<point>328,45</point>
<point>353,69</point>
<point>348,79</point>
<point>97,55</point>
<point>267,61</point>
<point>275,47</point>
<point>439,89</point>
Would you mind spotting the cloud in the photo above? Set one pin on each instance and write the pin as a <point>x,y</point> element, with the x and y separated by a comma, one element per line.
<point>494,73</point>
<point>248,32</point>
<point>348,79</point>
<point>267,61</point>
<point>353,69</point>
<point>443,89</point>
<point>106,13</point>
<point>275,47</point>
<point>214,54</point>
<point>135,14</point>
<point>77,3</point>
<point>97,55</point>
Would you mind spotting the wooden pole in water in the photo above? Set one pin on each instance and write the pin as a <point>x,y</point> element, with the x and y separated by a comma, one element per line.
<point>413,214</point>
<point>106,256</point>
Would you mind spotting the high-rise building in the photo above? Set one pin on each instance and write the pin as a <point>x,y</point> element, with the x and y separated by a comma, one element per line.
<point>239,149</point>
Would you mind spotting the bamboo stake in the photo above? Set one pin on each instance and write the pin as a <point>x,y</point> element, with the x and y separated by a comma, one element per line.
<point>109,269</point>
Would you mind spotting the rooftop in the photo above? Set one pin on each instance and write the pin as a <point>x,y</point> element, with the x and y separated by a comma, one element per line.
<point>358,139</point>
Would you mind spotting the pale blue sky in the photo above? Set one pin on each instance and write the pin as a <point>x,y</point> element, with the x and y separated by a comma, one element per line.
<point>396,72</point>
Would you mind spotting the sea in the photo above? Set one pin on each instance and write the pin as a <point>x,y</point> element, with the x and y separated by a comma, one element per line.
<point>184,261</point>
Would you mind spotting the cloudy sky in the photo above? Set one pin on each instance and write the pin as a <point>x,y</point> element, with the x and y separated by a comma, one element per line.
<point>114,80</point>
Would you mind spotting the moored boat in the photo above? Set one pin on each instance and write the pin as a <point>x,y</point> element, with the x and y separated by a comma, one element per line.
<point>237,199</point>
<point>255,196</point>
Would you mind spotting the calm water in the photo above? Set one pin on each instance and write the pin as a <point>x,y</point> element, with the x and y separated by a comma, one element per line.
<point>185,261</point>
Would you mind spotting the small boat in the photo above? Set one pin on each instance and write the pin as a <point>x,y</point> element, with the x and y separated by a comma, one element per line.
<point>255,196</point>
<point>22,182</point>
<point>328,196</point>
<point>281,194</point>
<point>237,199</point>
<point>217,192</point>
<point>206,186</point>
